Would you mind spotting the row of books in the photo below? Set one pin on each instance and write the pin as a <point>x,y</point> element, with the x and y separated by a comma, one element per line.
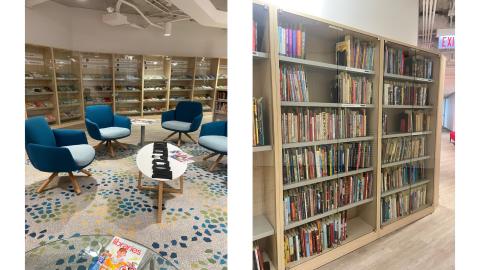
<point>204,97</point>
<point>39,89</point>
<point>291,41</point>
<point>127,77</point>
<point>179,98</point>
<point>308,125</point>
<point>68,101</point>
<point>126,99</point>
<point>69,88</point>
<point>315,237</point>
<point>257,257</point>
<point>351,90</point>
<point>222,95</point>
<point>154,109</point>
<point>414,121</point>
<point>293,83</point>
<point>34,74</point>
<point>151,88</point>
<point>127,110</point>
<point>313,162</point>
<point>181,77</point>
<point>202,87</point>
<point>207,107</point>
<point>402,175</point>
<point>307,201</point>
<point>204,77</point>
<point>38,104</point>
<point>222,86</point>
<point>356,53</point>
<point>97,99</point>
<point>399,62</point>
<point>97,88</point>
<point>154,77</point>
<point>97,76</point>
<point>176,87</point>
<point>222,76</point>
<point>49,117</point>
<point>403,203</point>
<point>221,107</point>
<point>397,93</point>
<point>258,131</point>
<point>398,149</point>
<point>66,114</point>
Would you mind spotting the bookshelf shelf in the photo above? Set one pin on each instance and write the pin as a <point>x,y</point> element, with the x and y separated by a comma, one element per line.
<point>261,227</point>
<point>222,89</point>
<point>324,66</point>
<point>395,190</point>
<point>40,94</point>
<point>262,148</point>
<point>128,91</point>
<point>324,105</point>
<point>41,108</point>
<point>96,79</point>
<point>334,141</point>
<point>93,91</point>
<point>205,79</point>
<point>97,103</point>
<point>148,91</point>
<point>180,90</point>
<point>69,105</point>
<point>203,90</point>
<point>70,117</point>
<point>128,102</point>
<point>325,178</point>
<point>176,80</point>
<point>407,78</point>
<point>404,161</point>
<point>154,80</point>
<point>39,78</point>
<point>393,220</point>
<point>68,92</point>
<point>68,79</point>
<point>396,135</point>
<point>326,214</point>
<point>152,112</point>
<point>407,107</point>
<point>153,101</point>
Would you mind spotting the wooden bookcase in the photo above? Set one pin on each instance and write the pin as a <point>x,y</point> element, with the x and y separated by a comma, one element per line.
<point>364,223</point>
<point>221,92</point>
<point>205,66</point>
<point>156,84</point>
<point>128,73</point>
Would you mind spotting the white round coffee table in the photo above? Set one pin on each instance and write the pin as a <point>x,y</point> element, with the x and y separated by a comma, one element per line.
<point>144,163</point>
<point>143,123</point>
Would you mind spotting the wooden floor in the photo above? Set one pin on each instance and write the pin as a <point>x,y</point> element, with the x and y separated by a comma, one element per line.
<point>428,243</point>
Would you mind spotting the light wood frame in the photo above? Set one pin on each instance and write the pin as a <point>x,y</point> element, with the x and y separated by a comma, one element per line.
<point>72,178</point>
<point>273,245</point>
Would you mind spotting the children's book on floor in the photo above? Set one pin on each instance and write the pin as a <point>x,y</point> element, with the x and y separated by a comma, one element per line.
<point>120,254</point>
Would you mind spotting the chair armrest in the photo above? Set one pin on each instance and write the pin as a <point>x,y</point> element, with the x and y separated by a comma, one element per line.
<point>196,123</point>
<point>122,121</point>
<point>213,128</point>
<point>65,137</point>
<point>51,159</point>
<point>93,130</point>
<point>168,116</point>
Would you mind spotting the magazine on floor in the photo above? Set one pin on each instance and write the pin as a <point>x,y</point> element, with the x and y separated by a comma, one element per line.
<point>120,254</point>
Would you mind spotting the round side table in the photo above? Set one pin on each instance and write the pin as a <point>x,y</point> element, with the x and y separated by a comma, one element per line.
<point>144,163</point>
<point>143,123</point>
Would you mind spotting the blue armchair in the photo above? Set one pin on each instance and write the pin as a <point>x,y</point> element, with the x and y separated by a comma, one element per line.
<point>186,118</point>
<point>58,150</point>
<point>213,136</point>
<point>103,126</point>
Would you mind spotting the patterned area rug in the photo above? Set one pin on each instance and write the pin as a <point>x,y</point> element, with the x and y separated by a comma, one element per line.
<point>193,231</point>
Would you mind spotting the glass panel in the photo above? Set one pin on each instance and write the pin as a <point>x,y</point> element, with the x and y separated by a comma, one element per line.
<point>97,79</point>
<point>155,92</point>
<point>40,98</point>
<point>206,71</point>
<point>128,83</point>
<point>260,29</point>
<point>221,98</point>
<point>183,74</point>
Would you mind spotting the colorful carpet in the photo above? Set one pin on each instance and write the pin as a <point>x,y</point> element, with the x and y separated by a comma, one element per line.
<point>193,231</point>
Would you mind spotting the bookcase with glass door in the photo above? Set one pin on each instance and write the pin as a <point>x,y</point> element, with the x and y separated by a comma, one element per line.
<point>221,92</point>
<point>339,160</point>
<point>128,90</point>
<point>205,80</point>
<point>156,82</point>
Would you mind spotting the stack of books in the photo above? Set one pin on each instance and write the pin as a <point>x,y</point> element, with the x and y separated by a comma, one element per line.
<point>396,93</point>
<point>402,175</point>
<point>258,131</point>
<point>398,149</point>
<point>293,83</point>
<point>403,203</point>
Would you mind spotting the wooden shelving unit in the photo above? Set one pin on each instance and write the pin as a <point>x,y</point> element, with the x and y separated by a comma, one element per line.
<point>221,94</point>
<point>364,217</point>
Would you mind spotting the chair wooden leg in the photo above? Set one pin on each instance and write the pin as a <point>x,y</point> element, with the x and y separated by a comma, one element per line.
<point>123,146</point>
<point>209,156</point>
<point>86,172</point>
<point>216,163</point>
<point>98,145</point>
<point>139,179</point>
<point>160,200</point>
<point>106,145</point>
<point>186,134</point>
<point>170,135</point>
<point>74,181</point>
<point>111,149</point>
<point>40,189</point>
<point>179,138</point>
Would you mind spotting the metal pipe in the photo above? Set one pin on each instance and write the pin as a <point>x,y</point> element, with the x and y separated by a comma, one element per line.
<point>433,20</point>
<point>423,22</point>
<point>155,6</point>
<point>120,2</point>
<point>162,6</point>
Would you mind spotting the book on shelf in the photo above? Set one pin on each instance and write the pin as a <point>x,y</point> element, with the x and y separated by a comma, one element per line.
<point>308,125</point>
<point>311,162</point>
<point>120,254</point>
<point>355,53</point>
<point>255,33</point>
<point>400,62</point>
<point>258,131</point>
<point>414,121</point>
<point>403,203</point>
<point>291,41</point>
<point>308,201</point>
<point>396,93</point>
<point>384,124</point>
<point>315,237</point>
<point>257,257</point>
<point>398,149</point>
<point>351,90</point>
<point>402,175</point>
<point>293,83</point>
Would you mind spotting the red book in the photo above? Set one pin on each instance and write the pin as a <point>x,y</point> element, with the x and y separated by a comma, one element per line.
<point>331,234</point>
<point>260,258</point>
<point>304,250</point>
<point>299,44</point>
<point>292,206</point>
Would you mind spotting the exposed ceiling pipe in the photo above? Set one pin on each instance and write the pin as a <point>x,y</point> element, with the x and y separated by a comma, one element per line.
<point>169,11</point>
<point>423,22</point>
<point>155,6</point>
<point>433,20</point>
<point>429,9</point>
<point>203,11</point>
<point>120,2</point>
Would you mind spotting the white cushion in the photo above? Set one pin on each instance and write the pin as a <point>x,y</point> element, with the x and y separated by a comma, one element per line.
<point>114,132</point>
<point>81,153</point>
<point>218,143</point>
<point>177,125</point>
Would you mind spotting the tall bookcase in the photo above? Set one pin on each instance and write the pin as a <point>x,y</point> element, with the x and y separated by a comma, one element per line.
<point>221,93</point>
<point>363,216</point>
<point>204,89</point>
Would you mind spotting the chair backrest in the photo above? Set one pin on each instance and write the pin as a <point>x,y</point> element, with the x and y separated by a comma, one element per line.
<point>187,110</point>
<point>101,115</point>
<point>226,128</point>
<point>38,131</point>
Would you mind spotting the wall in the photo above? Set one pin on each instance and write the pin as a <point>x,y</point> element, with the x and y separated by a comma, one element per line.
<point>450,112</point>
<point>83,29</point>
<point>397,20</point>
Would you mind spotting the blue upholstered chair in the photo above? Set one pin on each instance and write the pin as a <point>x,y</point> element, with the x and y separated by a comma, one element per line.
<point>103,126</point>
<point>213,136</point>
<point>186,118</point>
<point>58,150</point>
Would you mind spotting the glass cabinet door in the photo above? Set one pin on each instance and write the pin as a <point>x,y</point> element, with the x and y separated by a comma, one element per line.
<point>156,76</point>
<point>97,79</point>
<point>40,92</point>
<point>182,80</point>
<point>206,74</point>
<point>128,70</point>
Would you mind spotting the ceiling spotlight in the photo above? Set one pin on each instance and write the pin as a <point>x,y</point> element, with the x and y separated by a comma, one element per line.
<point>168,29</point>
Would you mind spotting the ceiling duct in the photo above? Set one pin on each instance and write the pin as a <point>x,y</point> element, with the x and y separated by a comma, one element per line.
<point>203,11</point>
